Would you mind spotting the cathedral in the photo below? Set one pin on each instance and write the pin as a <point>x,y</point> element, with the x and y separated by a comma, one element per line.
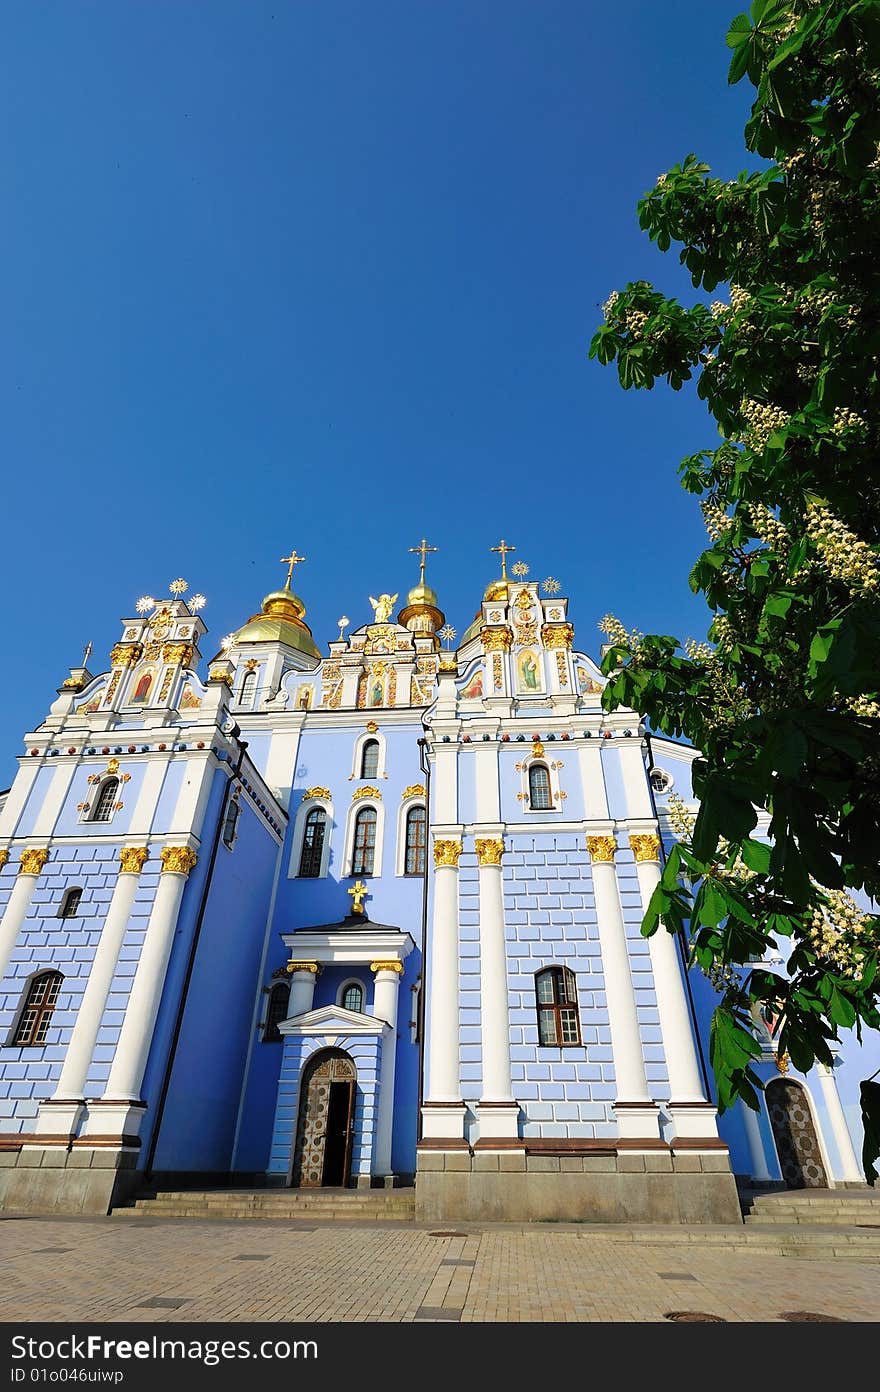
<point>366,916</point>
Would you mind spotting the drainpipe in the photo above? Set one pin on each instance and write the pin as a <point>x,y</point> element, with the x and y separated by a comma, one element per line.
<point>682,945</point>
<point>181,1006</point>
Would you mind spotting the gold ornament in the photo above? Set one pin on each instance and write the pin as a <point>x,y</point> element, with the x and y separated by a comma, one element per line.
<point>313,967</point>
<point>132,859</point>
<point>557,635</point>
<point>489,850</point>
<point>366,792</point>
<point>387,966</point>
<point>382,607</point>
<point>414,790</point>
<point>358,893</point>
<point>782,1062</point>
<point>446,853</point>
<point>125,654</point>
<point>178,652</point>
<point>32,862</point>
<point>448,664</point>
<point>496,639</point>
<point>645,847</point>
<point>602,848</point>
<point>523,600</point>
<point>221,674</point>
<point>4,856</point>
<point>371,726</point>
<point>316,793</point>
<point>537,749</point>
<point>177,860</point>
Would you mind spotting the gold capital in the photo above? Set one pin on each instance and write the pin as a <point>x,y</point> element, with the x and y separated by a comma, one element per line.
<point>557,635</point>
<point>312,967</point>
<point>125,654</point>
<point>496,639</point>
<point>132,859</point>
<point>178,652</point>
<point>645,847</point>
<point>220,673</point>
<point>32,862</point>
<point>602,848</point>
<point>387,966</point>
<point>4,856</point>
<point>178,860</point>
<point>489,850</point>
<point>446,853</point>
<point>358,893</point>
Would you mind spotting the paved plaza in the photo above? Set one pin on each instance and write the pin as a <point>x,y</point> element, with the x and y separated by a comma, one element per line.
<point>126,1269</point>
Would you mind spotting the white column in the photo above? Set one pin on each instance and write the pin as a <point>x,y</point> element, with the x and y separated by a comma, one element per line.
<point>303,976</point>
<point>69,1092</point>
<point>756,1143</point>
<point>839,1129</point>
<point>387,979</point>
<point>692,1115</point>
<point>636,1113</point>
<point>443,1116</point>
<point>29,870</point>
<point>497,1110</point>
<point>127,1070</point>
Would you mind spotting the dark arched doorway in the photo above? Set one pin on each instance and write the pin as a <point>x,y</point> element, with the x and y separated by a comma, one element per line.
<point>324,1132</point>
<point>794,1132</point>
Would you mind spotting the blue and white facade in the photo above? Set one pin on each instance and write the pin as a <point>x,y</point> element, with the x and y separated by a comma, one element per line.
<point>360,918</point>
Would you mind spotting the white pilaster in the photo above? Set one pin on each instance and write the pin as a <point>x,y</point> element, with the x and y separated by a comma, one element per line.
<point>443,1116</point>
<point>691,1114</point>
<point>387,979</point>
<point>756,1143</point>
<point>635,779</point>
<point>495,1120</point>
<point>127,1070</point>
<point>303,976</point>
<point>839,1129</point>
<point>56,794</point>
<point>29,870</point>
<point>72,1081</point>
<point>635,1111</point>
<point>17,797</point>
<point>593,782</point>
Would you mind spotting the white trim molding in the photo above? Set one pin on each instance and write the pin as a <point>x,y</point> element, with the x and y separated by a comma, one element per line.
<point>406,806</point>
<point>358,754</point>
<point>357,806</point>
<point>308,805</point>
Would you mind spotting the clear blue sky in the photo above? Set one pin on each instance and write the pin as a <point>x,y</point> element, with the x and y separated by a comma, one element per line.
<point>324,275</point>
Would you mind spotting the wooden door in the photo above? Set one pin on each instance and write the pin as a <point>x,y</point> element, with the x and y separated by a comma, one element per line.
<point>794,1132</point>
<point>325,1116</point>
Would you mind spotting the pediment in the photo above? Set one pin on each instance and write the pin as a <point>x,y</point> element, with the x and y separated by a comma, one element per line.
<point>333,1020</point>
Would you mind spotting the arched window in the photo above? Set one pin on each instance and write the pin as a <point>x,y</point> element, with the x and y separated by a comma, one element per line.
<point>313,844</point>
<point>106,800</point>
<point>370,759</point>
<point>540,797</point>
<point>416,824</point>
<point>276,1011</point>
<point>248,689</point>
<point>70,903</point>
<point>353,997</point>
<point>558,1020</point>
<point>364,842</point>
<point>230,822</point>
<point>36,1016</point>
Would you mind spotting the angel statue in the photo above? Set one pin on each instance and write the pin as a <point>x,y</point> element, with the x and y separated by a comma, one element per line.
<point>382,606</point>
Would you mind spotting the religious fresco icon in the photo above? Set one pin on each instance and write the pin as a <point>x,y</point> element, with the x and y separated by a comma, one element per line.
<point>377,691</point>
<point>529,672</point>
<point>474,688</point>
<point>585,682</point>
<point>304,698</point>
<point>141,693</point>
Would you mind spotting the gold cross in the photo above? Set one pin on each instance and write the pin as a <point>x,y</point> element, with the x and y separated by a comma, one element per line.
<point>504,549</point>
<point>290,561</point>
<point>358,892</point>
<point>422,551</point>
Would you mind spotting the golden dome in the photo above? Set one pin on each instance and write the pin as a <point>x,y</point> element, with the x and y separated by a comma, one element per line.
<point>422,612</point>
<point>280,621</point>
<point>496,592</point>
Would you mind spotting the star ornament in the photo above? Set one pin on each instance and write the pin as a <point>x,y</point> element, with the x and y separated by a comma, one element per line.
<point>145,604</point>
<point>227,642</point>
<point>551,586</point>
<point>447,633</point>
<point>178,587</point>
<point>520,570</point>
<point>196,602</point>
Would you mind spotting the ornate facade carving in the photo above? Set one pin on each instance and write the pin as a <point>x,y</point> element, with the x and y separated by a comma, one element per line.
<point>178,860</point>
<point>496,639</point>
<point>646,847</point>
<point>446,852</point>
<point>557,635</point>
<point>489,850</point>
<point>32,861</point>
<point>602,848</point>
<point>132,859</point>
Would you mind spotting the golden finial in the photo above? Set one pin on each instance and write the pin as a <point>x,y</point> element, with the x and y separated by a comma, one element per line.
<point>422,550</point>
<point>87,653</point>
<point>342,625</point>
<point>358,893</point>
<point>504,549</point>
<point>290,561</point>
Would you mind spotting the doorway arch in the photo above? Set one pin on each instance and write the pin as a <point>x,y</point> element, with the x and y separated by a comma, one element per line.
<point>795,1135</point>
<point>325,1121</point>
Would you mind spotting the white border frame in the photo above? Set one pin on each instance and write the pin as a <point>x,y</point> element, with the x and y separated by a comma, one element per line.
<point>416,800</point>
<point>299,830</point>
<point>348,852</point>
<point>357,759</point>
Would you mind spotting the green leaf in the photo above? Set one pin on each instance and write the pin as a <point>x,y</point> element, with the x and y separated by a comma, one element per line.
<point>756,855</point>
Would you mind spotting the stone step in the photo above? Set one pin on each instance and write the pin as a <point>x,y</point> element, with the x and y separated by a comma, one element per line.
<point>279,1204</point>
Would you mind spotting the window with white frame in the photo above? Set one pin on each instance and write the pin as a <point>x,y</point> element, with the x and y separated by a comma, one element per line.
<point>364,847</point>
<point>105,801</point>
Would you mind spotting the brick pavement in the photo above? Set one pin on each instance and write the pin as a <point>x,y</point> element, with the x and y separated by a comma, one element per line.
<point>108,1269</point>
